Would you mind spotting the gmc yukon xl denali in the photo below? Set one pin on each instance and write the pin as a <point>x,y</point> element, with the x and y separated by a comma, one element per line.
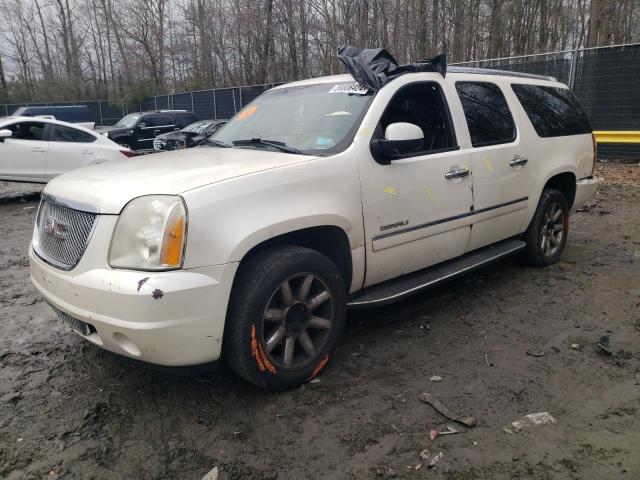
<point>319,196</point>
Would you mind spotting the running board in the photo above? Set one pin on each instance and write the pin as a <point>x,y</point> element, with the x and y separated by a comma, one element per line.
<point>407,285</point>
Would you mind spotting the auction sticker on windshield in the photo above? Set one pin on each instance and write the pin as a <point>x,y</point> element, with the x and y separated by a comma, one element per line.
<point>247,113</point>
<point>354,87</point>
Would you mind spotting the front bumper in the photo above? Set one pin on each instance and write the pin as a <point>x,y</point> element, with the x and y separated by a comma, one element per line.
<point>171,318</point>
<point>585,190</point>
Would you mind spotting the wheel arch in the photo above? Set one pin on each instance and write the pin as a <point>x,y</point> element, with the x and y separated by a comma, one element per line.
<point>330,240</point>
<point>565,182</point>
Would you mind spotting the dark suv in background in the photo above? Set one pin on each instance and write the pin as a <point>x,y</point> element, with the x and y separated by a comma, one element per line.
<point>138,130</point>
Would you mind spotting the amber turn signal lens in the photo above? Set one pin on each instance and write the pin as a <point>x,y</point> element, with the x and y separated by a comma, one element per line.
<point>173,241</point>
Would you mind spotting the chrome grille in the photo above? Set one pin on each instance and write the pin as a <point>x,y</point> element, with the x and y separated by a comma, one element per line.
<point>62,233</point>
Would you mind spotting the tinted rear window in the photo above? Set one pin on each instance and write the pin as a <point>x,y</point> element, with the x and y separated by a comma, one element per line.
<point>487,113</point>
<point>68,134</point>
<point>554,112</point>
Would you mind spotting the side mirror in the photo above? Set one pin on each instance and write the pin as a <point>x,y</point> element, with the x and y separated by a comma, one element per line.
<point>399,139</point>
<point>5,134</point>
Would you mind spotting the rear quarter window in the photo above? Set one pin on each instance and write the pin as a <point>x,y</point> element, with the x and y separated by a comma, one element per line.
<point>553,111</point>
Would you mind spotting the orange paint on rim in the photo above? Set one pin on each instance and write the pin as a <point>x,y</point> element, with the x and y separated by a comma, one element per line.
<point>254,349</point>
<point>265,360</point>
<point>320,366</point>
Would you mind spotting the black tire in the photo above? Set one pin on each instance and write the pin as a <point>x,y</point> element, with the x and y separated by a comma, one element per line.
<point>546,236</point>
<point>261,308</point>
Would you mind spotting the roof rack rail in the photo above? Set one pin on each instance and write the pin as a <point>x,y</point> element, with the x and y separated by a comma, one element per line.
<point>490,71</point>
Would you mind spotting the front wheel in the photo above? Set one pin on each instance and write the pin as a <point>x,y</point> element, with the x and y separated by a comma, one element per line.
<point>286,314</point>
<point>546,236</point>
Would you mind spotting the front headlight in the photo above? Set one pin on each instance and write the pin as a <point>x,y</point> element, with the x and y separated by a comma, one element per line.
<point>150,234</point>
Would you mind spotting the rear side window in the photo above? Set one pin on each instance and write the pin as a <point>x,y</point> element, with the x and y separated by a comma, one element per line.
<point>68,134</point>
<point>487,113</point>
<point>158,120</point>
<point>554,112</point>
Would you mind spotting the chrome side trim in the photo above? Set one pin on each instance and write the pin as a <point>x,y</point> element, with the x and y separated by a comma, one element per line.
<point>448,219</point>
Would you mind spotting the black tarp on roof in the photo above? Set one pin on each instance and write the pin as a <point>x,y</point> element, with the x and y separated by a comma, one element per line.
<point>375,67</point>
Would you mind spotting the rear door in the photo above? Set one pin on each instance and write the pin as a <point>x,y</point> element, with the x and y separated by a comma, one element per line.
<point>498,161</point>
<point>69,148</point>
<point>23,157</point>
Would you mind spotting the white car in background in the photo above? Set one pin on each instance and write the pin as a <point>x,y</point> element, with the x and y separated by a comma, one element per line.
<point>34,149</point>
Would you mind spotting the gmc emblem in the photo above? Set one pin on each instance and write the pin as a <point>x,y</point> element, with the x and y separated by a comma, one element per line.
<point>55,227</point>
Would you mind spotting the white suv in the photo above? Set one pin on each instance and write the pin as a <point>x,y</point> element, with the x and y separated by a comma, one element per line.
<point>318,196</point>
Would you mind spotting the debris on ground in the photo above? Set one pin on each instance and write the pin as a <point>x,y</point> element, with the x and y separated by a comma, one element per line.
<point>435,378</point>
<point>212,475</point>
<point>425,454</point>
<point>604,346</point>
<point>436,458</point>
<point>467,420</point>
<point>535,352</point>
<point>448,429</point>
<point>575,346</point>
<point>531,420</point>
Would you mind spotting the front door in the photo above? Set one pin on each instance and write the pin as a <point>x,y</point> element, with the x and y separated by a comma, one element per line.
<point>416,208</point>
<point>23,156</point>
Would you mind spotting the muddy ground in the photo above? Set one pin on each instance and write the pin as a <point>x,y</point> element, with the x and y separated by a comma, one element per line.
<point>70,410</point>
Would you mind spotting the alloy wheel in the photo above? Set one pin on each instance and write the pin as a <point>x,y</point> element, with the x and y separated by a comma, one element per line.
<point>553,229</point>
<point>297,321</point>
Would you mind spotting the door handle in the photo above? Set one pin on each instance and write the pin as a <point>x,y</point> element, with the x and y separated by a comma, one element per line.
<point>456,172</point>
<point>87,152</point>
<point>38,150</point>
<point>157,130</point>
<point>518,161</point>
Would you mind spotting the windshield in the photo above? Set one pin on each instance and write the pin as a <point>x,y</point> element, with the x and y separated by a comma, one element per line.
<point>318,119</point>
<point>128,121</point>
<point>197,127</point>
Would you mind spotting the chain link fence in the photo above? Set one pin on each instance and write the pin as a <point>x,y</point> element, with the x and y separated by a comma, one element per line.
<point>606,80</point>
<point>207,104</point>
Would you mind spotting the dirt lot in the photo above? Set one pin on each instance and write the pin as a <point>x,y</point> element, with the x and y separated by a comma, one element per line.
<point>70,410</point>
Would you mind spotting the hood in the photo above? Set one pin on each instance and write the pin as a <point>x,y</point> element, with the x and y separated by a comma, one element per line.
<point>109,186</point>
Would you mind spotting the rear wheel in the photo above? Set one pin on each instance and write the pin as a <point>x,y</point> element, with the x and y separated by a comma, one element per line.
<point>546,236</point>
<point>286,314</point>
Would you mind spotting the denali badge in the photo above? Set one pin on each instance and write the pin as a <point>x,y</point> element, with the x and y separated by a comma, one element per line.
<point>394,225</point>
<point>55,227</point>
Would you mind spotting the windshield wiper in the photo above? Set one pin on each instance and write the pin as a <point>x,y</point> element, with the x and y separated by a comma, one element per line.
<point>271,143</point>
<point>217,143</point>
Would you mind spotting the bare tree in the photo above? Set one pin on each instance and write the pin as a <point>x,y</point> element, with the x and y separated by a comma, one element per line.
<point>67,49</point>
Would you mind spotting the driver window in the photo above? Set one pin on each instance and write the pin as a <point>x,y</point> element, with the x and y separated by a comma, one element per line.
<point>27,131</point>
<point>421,104</point>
